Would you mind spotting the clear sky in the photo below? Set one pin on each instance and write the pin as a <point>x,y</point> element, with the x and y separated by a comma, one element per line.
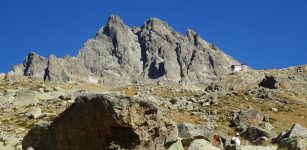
<point>260,33</point>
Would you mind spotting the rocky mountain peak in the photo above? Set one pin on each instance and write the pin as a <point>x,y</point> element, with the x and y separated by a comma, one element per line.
<point>157,25</point>
<point>114,19</point>
<point>119,55</point>
<point>113,26</point>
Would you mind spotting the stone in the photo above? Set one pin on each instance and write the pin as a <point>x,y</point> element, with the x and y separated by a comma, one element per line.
<point>4,100</point>
<point>293,143</point>
<point>25,98</point>
<point>201,144</point>
<point>187,130</point>
<point>243,119</point>
<point>176,146</point>
<point>11,141</point>
<point>297,131</point>
<point>269,82</point>
<point>35,113</point>
<point>274,109</point>
<point>267,126</point>
<point>295,138</point>
<point>102,122</point>
<point>253,133</point>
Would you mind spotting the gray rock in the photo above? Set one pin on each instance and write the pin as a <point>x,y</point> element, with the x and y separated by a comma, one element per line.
<point>25,98</point>
<point>267,126</point>
<point>294,139</point>
<point>201,144</point>
<point>119,55</point>
<point>11,141</point>
<point>253,133</point>
<point>4,100</point>
<point>293,143</point>
<point>244,119</point>
<point>297,131</point>
<point>34,66</point>
<point>35,113</point>
<point>274,109</point>
<point>187,130</point>
<point>176,146</point>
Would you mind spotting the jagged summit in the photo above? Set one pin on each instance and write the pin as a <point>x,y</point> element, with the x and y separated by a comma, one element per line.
<point>114,19</point>
<point>119,55</point>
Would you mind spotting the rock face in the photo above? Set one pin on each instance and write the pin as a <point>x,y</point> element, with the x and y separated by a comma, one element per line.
<point>104,122</point>
<point>120,55</point>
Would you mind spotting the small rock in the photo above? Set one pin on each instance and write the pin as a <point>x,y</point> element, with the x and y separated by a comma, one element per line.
<point>35,113</point>
<point>274,109</point>
<point>30,148</point>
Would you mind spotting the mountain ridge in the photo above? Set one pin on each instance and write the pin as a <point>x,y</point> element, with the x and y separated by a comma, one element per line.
<point>121,55</point>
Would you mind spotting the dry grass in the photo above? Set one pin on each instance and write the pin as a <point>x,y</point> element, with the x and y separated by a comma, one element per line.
<point>185,117</point>
<point>289,114</point>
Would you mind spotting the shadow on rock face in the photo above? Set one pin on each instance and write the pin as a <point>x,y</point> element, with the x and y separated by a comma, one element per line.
<point>154,72</point>
<point>89,124</point>
<point>269,82</point>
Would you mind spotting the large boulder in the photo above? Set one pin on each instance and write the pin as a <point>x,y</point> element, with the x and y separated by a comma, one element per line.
<point>104,122</point>
<point>293,143</point>
<point>25,98</point>
<point>269,82</point>
<point>294,139</point>
<point>187,130</point>
<point>244,119</point>
<point>254,133</point>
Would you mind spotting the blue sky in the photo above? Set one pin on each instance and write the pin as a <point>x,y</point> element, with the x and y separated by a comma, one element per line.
<point>262,33</point>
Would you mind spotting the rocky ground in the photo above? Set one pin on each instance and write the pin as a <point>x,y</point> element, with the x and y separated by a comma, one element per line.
<point>261,105</point>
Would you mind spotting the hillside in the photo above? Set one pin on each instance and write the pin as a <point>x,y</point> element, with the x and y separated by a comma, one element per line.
<point>150,88</point>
